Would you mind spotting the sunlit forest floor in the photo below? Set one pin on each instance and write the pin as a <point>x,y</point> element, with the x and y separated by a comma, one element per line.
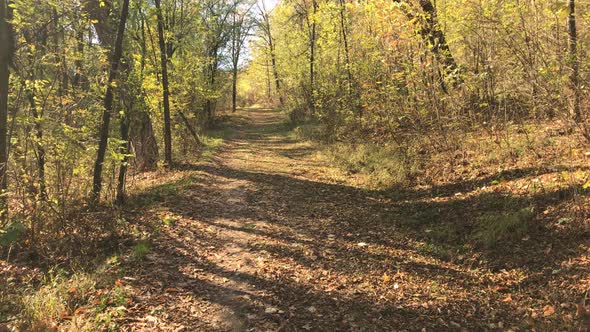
<point>269,236</point>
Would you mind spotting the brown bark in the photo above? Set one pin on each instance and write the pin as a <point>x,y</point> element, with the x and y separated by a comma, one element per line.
<point>312,45</point>
<point>165,86</point>
<point>6,53</point>
<point>108,105</point>
<point>271,48</point>
<point>575,64</point>
<point>430,31</point>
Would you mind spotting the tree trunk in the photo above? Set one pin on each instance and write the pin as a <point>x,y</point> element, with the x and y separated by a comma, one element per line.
<point>39,143</point>
<point>165,87</point>
<point>125,145</point>
<point>235,54</point>
<point>108,105</point>
<point>6,53</point>
<point>312,42</point>
<point>430,31</point>
<point>345,41</point>
<point>575,64</point>
<point>267,79</point>
<point>273,61</point>
<point>144,142</point>
<point>436,37</point>
<point>234,92</point>
<point>271,49</point>
<point>190,128</point>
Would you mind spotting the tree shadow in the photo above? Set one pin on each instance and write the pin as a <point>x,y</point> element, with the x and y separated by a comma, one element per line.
<point>319,226</point>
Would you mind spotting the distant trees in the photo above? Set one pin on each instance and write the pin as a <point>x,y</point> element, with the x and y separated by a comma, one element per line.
<point>267,36</point>
<point>394,66</point>
<point>241,24</point>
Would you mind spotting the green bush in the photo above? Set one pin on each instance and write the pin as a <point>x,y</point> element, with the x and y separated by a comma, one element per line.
<point>12,233</point>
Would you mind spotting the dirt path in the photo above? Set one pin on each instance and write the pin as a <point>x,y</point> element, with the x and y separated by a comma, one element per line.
<point>268,238</point>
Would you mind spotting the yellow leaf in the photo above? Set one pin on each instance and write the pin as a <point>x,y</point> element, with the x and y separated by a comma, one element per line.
<point>586,185</point>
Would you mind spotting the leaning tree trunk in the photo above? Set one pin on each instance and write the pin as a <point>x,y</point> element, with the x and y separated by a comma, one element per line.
<point>108,105</point>
<point>430,31</point>
<point>165,87</point>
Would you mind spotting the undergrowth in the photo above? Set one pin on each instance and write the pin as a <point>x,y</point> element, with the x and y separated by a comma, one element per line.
<point>74,301</point>
<point>494,228</point>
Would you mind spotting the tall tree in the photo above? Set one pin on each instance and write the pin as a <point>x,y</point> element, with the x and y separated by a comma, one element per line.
<point>575,64</point>
<point>267,36</point>
<point>115,61</point>
<point>165,85</point>
<point>6,54</point>
<point>312,50</point>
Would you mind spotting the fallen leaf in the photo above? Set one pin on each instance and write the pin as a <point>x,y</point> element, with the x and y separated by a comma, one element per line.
<point>362,244</point>
<point>548,310</point>
<point>386,278</point>
<point>271,310</point>
<point>507,299</point>
<point>118,283</point>
<point>80,310</point>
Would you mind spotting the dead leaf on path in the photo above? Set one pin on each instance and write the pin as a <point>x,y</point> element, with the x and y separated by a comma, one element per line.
<point>151,319</point>
<point>118,283</point>
<point>386,278</point>
<point>507,299</point>
<point>548,310</point>
<point>80,310</point>
<point>271,310</point>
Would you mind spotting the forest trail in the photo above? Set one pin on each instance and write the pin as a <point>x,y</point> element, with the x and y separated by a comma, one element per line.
<point>268,238</point>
